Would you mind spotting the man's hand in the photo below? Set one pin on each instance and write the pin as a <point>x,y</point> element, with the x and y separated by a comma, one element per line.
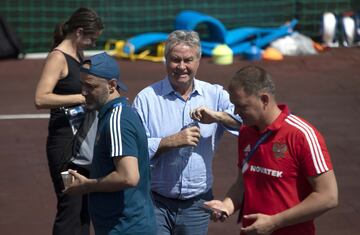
<point>218,210</point>
<point>208,116</point>
<point>79,185</point>
<point>204,115</point>
<point>188,136</point>
<point>263,224</point>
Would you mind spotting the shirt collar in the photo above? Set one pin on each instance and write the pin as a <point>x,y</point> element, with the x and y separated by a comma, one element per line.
<point>167,89</point>
<point>197,87</point>
<point>111,104</point>
<point>280,119</point>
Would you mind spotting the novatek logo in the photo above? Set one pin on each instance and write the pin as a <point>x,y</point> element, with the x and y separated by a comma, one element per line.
<point>266,171</point>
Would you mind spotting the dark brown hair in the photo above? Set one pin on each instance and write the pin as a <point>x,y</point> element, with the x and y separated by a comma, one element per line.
<point>82,18</point>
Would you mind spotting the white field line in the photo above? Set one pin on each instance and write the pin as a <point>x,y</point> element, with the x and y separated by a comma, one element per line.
<point>42,55</point>
<point>25,116</point>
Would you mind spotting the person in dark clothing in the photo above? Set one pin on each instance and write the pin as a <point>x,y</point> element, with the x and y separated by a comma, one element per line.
<point>59,88</point>
<point>120,201</point>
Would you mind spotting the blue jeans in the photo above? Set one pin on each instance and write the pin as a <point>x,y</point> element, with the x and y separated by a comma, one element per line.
<point>181,217</point>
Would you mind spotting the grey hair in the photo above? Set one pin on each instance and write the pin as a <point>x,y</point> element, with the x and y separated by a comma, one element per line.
<point>253,79</point>
<point>190,38</point>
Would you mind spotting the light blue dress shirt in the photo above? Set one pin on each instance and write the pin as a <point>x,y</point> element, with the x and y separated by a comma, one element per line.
<point>164,112</point>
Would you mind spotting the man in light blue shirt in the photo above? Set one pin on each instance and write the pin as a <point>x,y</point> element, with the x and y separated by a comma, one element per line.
<point>181,182</point>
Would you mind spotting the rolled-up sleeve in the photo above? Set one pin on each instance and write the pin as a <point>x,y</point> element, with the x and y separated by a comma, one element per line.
<point>153,146</point>
<point>141,109</point>
<point>226,106</point>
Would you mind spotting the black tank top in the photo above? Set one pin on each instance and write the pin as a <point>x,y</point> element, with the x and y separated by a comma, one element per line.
<point>58,123</point>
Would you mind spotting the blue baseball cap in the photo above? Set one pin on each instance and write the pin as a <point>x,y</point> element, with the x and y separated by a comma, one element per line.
<point>104,66</point>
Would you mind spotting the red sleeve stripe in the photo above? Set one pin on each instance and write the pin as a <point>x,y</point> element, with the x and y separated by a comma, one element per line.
<point>314,146</point>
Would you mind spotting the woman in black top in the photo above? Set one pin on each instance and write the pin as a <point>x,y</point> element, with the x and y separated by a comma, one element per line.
<point>59,86</point>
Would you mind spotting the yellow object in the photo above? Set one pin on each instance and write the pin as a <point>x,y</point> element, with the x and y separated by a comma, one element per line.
<point>222,54</point>
<point>272,54</point>
<point>116,48</point>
